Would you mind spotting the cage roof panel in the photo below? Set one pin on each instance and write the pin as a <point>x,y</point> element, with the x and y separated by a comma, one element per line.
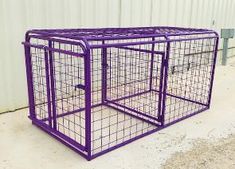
<point>113,33</point>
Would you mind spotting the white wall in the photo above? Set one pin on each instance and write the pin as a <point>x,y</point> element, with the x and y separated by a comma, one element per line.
<point>16,16</point>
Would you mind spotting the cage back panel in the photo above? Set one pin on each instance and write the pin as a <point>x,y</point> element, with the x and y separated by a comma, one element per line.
<point>189,77</point>
<point>101,94</point>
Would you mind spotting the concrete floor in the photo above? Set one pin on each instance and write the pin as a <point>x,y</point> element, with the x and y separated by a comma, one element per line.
<point>24,146</point>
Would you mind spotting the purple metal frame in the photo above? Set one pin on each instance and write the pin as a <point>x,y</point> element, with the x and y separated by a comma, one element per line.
<point>96,90</point>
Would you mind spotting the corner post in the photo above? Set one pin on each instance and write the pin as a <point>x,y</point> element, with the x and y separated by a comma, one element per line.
<point>104,73</point>
<point>213,70</point>
<point>28,64</point>
<point>52,80</point>
<point>48,87</point>
<point>87,74</point>
<point>165,77</point>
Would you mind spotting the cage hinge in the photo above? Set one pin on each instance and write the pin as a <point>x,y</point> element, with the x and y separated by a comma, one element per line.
<point>79,86</point>
<point>105,65</point>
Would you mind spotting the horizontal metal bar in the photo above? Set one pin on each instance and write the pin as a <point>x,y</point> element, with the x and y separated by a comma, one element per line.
<point>130,96</point>
<point>132,82</point>
<point>146,42</point>
<point>185,117</point>
<point>148,36</point>
<point>141,50</point>
<point>78,110</point>
<point>178,97</point>
<point>53,49</point>
<point>72,112</point>
<point>132,115</point>
<point>133,110</point>
<point>59,40</point>
<point>198,53</point>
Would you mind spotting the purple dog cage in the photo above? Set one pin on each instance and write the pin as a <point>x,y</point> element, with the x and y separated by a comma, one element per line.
<point>96,90</point>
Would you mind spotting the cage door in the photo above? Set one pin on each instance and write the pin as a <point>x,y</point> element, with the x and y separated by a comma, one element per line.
<point>40,84</point>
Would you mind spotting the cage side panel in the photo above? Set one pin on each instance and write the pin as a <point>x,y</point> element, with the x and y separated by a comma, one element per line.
<point>213,69</point>
<point>67,75</point>
<point>189,76</point>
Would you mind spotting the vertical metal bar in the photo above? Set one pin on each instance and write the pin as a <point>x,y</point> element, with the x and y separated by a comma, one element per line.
<point>213,71</point>
<point>51,65</point>
<point>104,73</point>
<point>87,103</point>
<point>166,62</point>
<point>48,87</point>
<point>28,64</point>
<point>160,88</point>
<point>151,65</point>
<point>225,52</point>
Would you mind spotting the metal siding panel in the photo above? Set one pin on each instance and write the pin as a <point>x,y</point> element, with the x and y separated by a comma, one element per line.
<point>126,13</point>
<point>113,12</point>
<point>100,13</point>
<point>4,100</point>
<point>156,12</point>
<point>187,13</point>
<point>194,14</point>
<point>14,80</point>
<point>72,13</point>
<point>145,13</point>
<point>135,12</point>
<point>200,16</point>
<point>87,13</point>
<point>229,14</point>
<point>28,14</point>
<point>171,10</point>
<point>164,13</point>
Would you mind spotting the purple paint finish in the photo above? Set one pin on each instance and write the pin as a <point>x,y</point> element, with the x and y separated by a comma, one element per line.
<point>96,90</point>
<point>48,88</point>
<point>28,65</point>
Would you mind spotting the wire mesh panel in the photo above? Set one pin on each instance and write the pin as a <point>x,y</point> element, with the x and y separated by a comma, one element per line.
<point>189,77</point>
<point>58,84</point>
<point>39,64</point>
<point>98,89</point>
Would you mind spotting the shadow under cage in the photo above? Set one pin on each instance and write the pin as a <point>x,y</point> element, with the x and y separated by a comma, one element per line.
<point>98,89</point>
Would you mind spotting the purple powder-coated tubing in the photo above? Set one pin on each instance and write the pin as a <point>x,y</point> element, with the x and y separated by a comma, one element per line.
<point>96,90</point>
<point>48,88</point>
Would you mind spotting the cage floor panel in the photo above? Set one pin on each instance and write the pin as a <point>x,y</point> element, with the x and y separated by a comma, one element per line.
<point>111,127</point>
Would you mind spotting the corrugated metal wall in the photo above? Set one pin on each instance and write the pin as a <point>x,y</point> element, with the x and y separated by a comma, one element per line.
<point>18,16</point>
